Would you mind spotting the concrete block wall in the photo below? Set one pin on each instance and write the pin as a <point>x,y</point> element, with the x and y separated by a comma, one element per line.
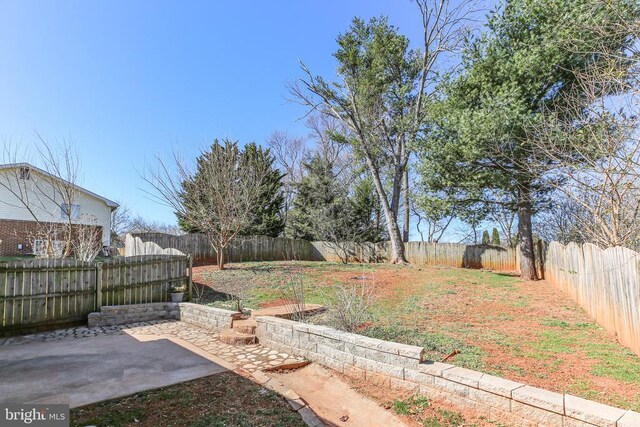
<point>394,365</point>
<point>205,317</point>
<point>199,315</point>
<point>122,314</point>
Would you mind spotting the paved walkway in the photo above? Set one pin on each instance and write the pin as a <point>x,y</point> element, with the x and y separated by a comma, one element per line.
<point>251,358</point>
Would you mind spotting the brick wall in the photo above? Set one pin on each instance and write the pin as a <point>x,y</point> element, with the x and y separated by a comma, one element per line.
<point>389,364</point>
<point>14,232</point>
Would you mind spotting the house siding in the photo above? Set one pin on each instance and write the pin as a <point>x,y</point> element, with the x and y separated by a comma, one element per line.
<point>93,211</point>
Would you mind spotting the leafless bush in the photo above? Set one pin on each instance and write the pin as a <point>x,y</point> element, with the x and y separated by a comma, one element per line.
<point>198,292</point>
<point>88,240</point>
<point>48,240</point>
<point>293,295</point>
<point>350,305</point>
<point>236,291</point>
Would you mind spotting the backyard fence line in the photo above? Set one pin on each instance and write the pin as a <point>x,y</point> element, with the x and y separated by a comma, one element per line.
<point>262,248</point>
<point>39,294</point>
<point>257,248</point>
<point>604,282</point>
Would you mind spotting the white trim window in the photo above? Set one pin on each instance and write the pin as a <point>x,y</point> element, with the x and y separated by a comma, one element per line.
<point>40,248</point>
<point>64,211</point>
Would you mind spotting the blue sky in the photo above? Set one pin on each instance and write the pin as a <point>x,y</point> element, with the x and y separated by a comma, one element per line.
<point>128,80</point>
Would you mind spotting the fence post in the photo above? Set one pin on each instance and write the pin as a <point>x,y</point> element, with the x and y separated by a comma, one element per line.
<point>190,276</point>
<point>98,286</point>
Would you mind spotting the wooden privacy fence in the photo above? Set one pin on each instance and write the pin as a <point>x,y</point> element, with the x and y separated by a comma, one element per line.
<point>258,248</point>
<point>261,248</point>
<point>497,258</point>
<point>605,282</point>
<point>38,294</point>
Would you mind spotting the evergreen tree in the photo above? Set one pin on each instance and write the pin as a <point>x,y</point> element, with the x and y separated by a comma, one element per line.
<point>524,64</point>
<point>268,216</point>
<point>326,209</point>
<point>495,237</point>
<point>363,206</point>
<point>318,198</point>
<point>485,237</point>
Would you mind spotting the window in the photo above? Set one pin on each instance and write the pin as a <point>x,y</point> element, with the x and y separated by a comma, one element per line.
<point>64,211</point>
<point>44,248</point>
<point>25,173</point>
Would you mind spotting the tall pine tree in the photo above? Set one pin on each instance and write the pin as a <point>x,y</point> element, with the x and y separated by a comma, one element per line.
<point>522,65</point>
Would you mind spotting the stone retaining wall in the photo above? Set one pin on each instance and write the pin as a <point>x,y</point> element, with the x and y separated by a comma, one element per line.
<point>389,364</point>
<point>205,317</point>
<point>199,315</point>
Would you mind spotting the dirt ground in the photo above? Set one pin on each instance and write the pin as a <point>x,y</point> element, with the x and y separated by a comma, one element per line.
<point>523,331</point>
<point>334,400</point>
<point>225,399</point>
<point>415,410</point>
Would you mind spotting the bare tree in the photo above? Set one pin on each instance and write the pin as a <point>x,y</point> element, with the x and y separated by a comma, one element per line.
<point>561,221</point>
<point>219,198</point>
<point>63,167</point>
<point>120,223</point>
<point>594,157</point>
<point>87,241</point>
<point>337,231</point>
<point>289,152</point>
<point>436,214</point>
<point>505,216</point>
<point>138,224</point>
<point>328,134</point>
<point>384,115</point>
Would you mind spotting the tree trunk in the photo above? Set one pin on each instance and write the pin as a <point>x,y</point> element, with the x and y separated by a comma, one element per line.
<point>396,191</point>
<point>397,247</point>
<point>525,236</point>
<point>405,216</point>
<point>220,254</point>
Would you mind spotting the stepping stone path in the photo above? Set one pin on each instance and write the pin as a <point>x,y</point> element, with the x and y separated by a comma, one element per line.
<point>250,358</point>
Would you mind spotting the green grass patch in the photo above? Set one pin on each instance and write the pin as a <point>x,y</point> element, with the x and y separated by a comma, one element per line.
<point>551,343</point>
<point>436,345</point>
<point>613,361</point>
<point>414,405</point>
<point>550,321</point>
<point>445,418</point>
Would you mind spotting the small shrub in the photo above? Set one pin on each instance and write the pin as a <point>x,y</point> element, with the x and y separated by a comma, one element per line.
<point>350,305</point>
<point>293,294</point>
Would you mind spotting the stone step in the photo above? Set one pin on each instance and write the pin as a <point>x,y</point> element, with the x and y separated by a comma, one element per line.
<point>245,326</point>
<point>229,336</point>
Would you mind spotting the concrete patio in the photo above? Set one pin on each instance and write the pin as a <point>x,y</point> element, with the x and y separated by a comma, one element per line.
<point>82,368</point>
